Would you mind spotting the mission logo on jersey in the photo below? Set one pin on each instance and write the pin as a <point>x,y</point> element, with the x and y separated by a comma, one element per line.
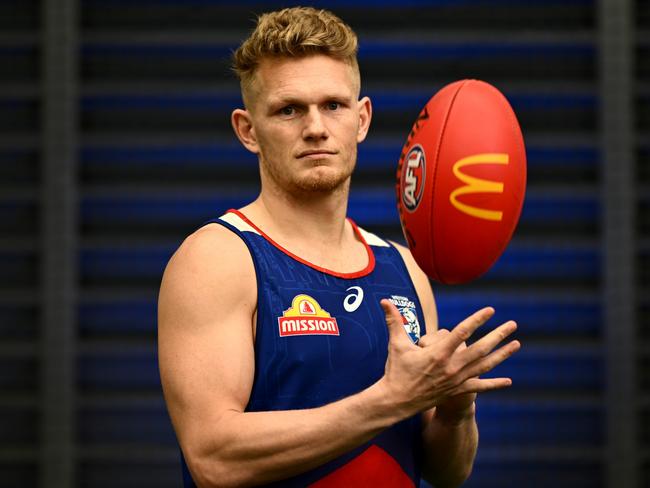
<point>306,317</point>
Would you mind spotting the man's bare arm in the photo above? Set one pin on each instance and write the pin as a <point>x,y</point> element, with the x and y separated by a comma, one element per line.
<point>207,302</point>
<point>450,432</point>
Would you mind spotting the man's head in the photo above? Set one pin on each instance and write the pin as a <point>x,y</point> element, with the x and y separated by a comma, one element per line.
<point>293,33</point>
<point>303,117</point>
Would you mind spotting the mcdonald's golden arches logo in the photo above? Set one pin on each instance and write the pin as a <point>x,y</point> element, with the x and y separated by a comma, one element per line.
<point>478,185</point>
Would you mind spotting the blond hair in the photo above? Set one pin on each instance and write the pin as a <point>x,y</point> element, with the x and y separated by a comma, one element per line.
<point>294,32</point>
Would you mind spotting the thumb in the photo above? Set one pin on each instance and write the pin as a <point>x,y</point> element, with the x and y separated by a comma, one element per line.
<point>396,332</point>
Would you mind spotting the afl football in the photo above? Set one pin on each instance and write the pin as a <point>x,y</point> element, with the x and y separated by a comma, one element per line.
<point>461,181</point>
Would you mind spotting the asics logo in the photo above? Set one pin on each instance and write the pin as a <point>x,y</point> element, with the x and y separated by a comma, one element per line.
<point>354,299</point>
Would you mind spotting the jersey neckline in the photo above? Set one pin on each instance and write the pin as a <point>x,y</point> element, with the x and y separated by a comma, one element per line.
<point>357,274</point>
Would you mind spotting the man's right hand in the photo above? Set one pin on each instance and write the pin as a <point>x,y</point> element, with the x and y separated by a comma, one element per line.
<point>418,377</point>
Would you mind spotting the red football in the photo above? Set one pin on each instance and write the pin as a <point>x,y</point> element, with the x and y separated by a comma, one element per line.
<point>461,181</point>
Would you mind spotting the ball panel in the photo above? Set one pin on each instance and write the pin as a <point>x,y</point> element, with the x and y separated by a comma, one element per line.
<point>477,164</point>
<point>474,185</point>
<point>426,133</point>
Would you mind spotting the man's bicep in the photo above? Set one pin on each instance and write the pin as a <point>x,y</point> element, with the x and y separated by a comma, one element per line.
<point>205,337</point>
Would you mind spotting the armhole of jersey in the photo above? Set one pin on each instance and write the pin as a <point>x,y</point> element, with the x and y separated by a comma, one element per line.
<point>406,270</point>
<point>239,234</point>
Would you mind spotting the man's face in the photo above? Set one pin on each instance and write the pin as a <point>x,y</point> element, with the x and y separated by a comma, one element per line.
<point>306,121</point>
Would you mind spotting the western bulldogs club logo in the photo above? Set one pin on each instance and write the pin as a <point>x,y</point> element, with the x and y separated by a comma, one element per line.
<point>306,317</point>
<point>409,316</point>
<point>412,180</point>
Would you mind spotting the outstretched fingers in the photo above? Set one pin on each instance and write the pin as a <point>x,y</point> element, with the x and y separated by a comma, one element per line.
<point>486,344</point>
<point>478,385</point>
<point>463,331</point>
<point>489,362</point>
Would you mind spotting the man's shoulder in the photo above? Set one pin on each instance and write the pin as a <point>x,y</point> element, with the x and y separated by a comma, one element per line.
<point>211,250</point>
<point>210,240</point>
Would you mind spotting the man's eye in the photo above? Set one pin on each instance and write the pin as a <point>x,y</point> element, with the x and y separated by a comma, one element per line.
<point>333,105</point>
<point>288,110</point>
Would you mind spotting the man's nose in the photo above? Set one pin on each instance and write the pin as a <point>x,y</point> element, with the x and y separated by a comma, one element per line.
<point>315,127</point>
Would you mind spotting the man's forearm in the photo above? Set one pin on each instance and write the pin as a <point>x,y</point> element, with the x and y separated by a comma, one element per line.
<point>259,447</point>
<point>450,448</point>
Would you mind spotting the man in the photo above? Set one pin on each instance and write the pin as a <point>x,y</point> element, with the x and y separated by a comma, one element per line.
<point>295,348</point>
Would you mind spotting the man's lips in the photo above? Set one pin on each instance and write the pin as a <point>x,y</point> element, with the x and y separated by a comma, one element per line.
<point>315,153</point>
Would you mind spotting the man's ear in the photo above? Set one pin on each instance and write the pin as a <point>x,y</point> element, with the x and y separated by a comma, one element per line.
<point>365,116</point>
<point>242,124</point>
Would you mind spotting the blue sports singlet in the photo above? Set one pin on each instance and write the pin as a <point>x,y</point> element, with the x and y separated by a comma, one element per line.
<point>322,336</point>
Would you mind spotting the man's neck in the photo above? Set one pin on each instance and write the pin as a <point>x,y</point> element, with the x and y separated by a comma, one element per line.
<point>315,218</point>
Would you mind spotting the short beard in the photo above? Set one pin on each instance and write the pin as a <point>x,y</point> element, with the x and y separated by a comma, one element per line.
<point>313,184</point>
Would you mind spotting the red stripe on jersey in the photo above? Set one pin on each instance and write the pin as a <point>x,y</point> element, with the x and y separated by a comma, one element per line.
<point>357,274</point>
<point>374,468</point>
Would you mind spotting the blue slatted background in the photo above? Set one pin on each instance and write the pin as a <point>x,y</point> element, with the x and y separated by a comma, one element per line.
<point>158,159</point>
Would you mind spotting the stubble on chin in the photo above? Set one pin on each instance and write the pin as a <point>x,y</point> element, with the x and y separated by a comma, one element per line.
<point>314,182</point>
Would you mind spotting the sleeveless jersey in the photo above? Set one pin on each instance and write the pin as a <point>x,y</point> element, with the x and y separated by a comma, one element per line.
<point>322,336</point>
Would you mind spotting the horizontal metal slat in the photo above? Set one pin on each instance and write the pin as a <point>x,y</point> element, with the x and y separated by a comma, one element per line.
<point>17,245</point>
<point>19,15</point>
<point>19,60</point>
<point>581,468</point>
<point>19,116</point>
<point>19,426</point>
<point>18,374</point>
<point>19,267</point>
<point>106,473</point>
<point>18,39</point>
<point>218,157</point>
<point>392,111</point>
<point>118,318</point>
<point>196,55</point>
<point>18,454</point>
<point>18,321</point>
<point>561,313</point>
<point>541,456</point>
<point>19,166</point>
<point>120,40</point>
<point>575,141</point>
<point>18,194</point>
<point>558,314</point>
<point>502,425</point>
<point>19,91</point>
<point>367,207</point>
<point>122,400</point>
<point>335,3</point>
<point>19,473</point>
<point>177,88</point>
<point>14,349</point>
<point>518,262</point>
<point>19,401</point>
<point>19,142</point>
<point>101,426</point>
<point>18,214</point>
<point>188,47</point>
<point>18,297</point>
<point>128,454</point>
<point>554,367</point>
<point>511,424</point>
<point>397,99</point>
<point>118,372</point>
